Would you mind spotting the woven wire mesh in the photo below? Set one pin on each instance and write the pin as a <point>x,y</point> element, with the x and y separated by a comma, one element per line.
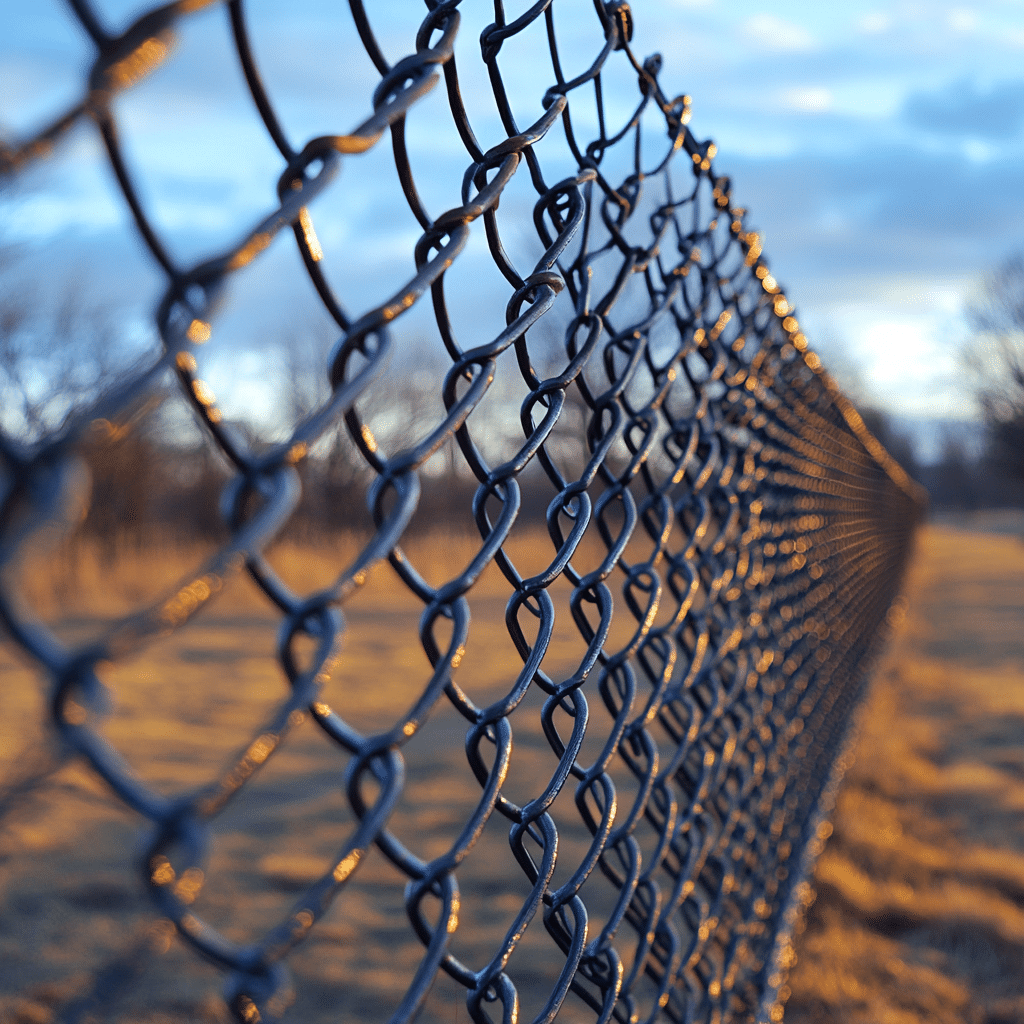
<point>727,507</point>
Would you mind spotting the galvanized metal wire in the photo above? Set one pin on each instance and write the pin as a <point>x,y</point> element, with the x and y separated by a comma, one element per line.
<point>752,533</point>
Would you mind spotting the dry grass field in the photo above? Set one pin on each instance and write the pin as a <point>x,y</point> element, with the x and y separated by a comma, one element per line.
<point>920,909</point>
<point>920,915</point>
<point>78,930</point>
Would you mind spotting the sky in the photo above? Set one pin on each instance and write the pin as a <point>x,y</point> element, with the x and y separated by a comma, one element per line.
<point>879,148</point>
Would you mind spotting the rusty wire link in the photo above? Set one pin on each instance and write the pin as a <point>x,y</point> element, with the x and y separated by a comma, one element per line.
<point>752,532</point>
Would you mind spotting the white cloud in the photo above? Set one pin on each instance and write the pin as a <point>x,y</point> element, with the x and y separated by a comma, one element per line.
<point>979,152</point>
<point>962,19</point>
<point>807,99</point>
<point>908,359</point>
<point>902,335</point>
<point>773,33</point>
<point>874,23</point>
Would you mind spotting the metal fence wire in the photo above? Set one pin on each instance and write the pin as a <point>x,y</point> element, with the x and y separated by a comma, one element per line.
<point>750,532</point>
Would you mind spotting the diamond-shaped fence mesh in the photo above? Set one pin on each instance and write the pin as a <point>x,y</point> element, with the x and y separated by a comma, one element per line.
<point>654,686</point>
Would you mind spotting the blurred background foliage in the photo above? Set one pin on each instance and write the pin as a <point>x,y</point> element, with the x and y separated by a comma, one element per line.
<point>155,478</point>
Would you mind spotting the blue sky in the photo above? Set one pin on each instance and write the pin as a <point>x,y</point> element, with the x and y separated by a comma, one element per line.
<point>880,149</point>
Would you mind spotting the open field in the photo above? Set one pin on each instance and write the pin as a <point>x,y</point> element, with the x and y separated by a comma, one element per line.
<point>920,909</point>
<point>72,904</point>
<point>920,915</point>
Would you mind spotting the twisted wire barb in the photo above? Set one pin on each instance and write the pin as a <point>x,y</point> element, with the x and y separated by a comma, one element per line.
<point>754,531</point>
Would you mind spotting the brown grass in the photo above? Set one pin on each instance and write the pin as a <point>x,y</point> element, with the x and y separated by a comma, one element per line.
<point>920,915</point>
<point>70,896</point>
<point>920,909</point>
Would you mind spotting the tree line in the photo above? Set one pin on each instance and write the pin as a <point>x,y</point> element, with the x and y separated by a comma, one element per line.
<point>158,477</point>
<point>993,364</point>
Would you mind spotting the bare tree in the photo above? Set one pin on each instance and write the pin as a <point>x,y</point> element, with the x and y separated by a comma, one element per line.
<point>61,348</point>
<point>58,351</point>
<point>995,358</point>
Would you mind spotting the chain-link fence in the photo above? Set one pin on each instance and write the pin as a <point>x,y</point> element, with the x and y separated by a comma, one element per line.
<point>716,495</point>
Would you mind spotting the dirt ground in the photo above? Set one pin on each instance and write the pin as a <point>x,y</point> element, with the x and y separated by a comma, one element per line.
<point>920,914</point>
<point>77,933</point>
<point>920,908</point>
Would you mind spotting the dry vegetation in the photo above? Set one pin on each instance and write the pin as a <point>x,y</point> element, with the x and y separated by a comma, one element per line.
<point>73,909</point>
<point>920,915</point>
<point>920,909</point>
